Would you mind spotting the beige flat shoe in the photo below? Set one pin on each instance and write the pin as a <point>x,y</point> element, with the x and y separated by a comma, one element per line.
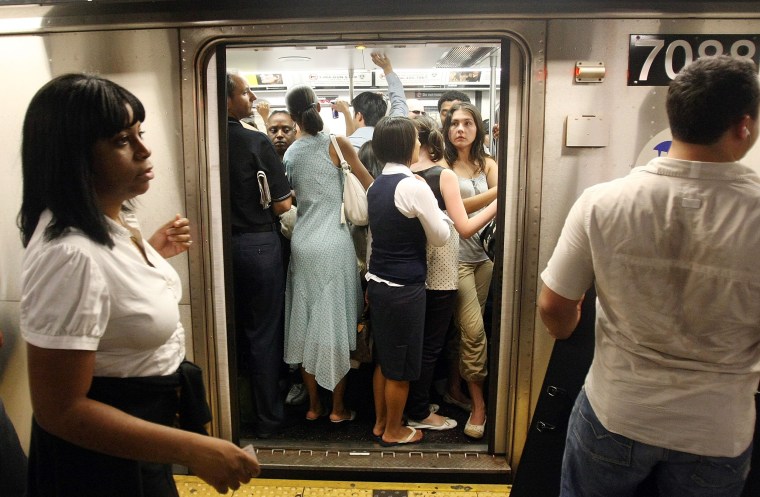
<point>473,430</point>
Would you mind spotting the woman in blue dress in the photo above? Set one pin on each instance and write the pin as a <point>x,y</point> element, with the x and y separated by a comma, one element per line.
<point>323,297</point>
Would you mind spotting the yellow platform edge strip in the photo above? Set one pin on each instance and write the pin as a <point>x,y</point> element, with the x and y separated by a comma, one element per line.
<point>183,480</point>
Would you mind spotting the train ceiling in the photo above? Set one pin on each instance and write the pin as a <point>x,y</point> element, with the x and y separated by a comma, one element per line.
<point>331,57</point>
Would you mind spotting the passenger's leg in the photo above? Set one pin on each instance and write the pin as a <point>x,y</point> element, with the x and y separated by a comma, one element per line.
<point>339,411</point>
<point>599,463</point>
<point>395,399</point>
<point>689,475</point>
<point>474,280</point>
<point>454,380</point>
<point>378,391</point>
<point>259,282</point>
<point>315,405</point>
<point>483,273</point>
<point>439,307</point>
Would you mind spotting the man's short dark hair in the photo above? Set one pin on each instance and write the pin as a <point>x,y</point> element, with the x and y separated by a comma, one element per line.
<point>709,96</point>
<point>371,105</point>
<point>279,111</point>
<point>452,95</point>
<point>394,140</point>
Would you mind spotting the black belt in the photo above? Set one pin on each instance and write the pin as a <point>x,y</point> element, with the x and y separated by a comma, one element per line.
<point>256,228</point>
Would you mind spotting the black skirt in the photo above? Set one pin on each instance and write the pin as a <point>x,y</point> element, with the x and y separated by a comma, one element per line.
<point>60,469</point>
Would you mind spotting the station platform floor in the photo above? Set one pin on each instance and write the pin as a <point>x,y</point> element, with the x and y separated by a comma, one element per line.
<point>190,486</point>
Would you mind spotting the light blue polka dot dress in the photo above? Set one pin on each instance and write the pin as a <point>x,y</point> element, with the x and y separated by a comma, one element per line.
<point>323,294</point>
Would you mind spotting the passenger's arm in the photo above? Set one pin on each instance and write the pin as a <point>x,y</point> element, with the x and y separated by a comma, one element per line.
<point>172,238</point>
<point>263,109</point>
<point>352,157</point>
<point>282,206</point>
<point>279,186</point>
<point>492,173</point>
<point>59,381</point>
<point>452,197</point>
<point>395,87</point>
<point>343,107</point>
<point>414,198</point>
<point>477,202</point>
<point>560,315</point>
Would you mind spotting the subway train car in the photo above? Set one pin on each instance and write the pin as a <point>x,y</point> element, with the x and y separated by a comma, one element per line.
<point>576,87</point>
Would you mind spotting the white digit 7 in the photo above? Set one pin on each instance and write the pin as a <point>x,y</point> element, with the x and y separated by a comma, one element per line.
<point>656,47</point>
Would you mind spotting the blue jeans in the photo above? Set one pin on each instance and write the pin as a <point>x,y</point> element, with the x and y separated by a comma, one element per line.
<point>599,463</point>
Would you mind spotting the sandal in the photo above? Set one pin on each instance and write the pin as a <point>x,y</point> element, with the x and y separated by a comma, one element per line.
<point>351,417</point>
<point>321,414</point>
<point>408,440</point>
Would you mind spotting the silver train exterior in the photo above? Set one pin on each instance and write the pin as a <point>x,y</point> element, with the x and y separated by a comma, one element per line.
<point>563,134</point>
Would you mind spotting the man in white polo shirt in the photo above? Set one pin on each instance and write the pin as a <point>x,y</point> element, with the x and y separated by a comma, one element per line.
<point>672,249</point>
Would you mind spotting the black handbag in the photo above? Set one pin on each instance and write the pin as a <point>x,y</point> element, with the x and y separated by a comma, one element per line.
<point>488,239</point>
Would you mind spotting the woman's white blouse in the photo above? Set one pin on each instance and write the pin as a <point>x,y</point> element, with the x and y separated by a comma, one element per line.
<point>80,295</point>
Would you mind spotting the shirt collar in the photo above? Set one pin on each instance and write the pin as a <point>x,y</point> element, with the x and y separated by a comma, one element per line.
<point>666,166</point>
<point>364,132</point>
<point>393,168</point>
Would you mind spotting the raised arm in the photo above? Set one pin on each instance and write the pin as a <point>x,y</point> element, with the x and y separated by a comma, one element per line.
<point>455,208</point>
<point>395,87</point>
<point>343,107</point>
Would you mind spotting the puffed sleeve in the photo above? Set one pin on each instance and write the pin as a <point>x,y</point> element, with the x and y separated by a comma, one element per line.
<point>64,299</point>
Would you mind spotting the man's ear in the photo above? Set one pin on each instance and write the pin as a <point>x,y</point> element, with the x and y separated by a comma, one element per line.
<point>359,117</point>
<point>742,128</point>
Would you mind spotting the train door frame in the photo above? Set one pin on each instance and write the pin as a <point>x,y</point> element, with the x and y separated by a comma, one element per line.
<point>519,205</point>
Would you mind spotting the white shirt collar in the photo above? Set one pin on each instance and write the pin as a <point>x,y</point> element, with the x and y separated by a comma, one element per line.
<point>395,168</point>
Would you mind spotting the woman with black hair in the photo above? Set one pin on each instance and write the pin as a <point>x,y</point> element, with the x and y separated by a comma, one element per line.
<point>323,295</point>
<point>403,217</point>
<point>99,309</point>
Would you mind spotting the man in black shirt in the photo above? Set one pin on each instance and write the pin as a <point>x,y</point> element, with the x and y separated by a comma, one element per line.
<point>259,192</point>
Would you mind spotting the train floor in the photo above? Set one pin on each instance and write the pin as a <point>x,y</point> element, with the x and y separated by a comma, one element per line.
<point>359,431</point>
<point>190,486</point>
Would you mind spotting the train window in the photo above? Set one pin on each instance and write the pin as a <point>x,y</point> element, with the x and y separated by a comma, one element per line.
<point>335,73</point>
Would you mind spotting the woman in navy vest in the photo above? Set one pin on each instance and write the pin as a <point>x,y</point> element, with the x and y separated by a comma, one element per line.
<point>403,217</point>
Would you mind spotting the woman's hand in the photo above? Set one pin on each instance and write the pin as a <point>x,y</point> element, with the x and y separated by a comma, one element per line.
<point>223,465</point>
<point>173,238</point>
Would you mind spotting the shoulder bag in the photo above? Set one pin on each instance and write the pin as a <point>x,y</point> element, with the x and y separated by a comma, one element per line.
<point>354,207</point>
<point>488,239</point>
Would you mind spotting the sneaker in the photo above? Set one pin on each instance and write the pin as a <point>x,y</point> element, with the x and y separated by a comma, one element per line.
<point>297,395</point>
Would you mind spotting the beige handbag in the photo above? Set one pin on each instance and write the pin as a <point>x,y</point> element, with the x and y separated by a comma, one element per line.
<point>354,207</point>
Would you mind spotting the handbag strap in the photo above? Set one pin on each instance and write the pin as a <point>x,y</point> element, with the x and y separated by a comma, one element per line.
<point>343,164</point>
<point>346,169</point>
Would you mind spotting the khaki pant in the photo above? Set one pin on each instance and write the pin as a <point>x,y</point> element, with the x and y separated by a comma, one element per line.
<point>474,283</point>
